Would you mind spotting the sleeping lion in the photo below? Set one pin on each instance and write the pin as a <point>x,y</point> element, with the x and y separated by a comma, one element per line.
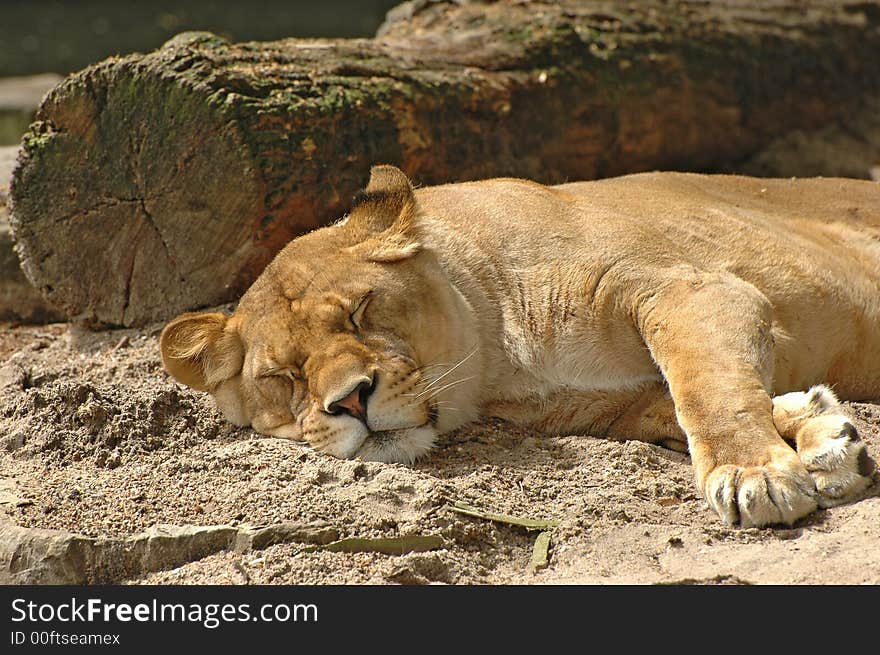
<point>709,314</point>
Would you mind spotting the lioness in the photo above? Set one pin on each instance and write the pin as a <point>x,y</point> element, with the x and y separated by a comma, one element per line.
<point>665,307</point>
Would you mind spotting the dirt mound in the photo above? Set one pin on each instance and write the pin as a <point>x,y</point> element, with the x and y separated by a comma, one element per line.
<point>66,409</point>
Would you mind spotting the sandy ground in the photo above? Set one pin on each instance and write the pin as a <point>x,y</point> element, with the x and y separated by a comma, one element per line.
<point>96,439</point>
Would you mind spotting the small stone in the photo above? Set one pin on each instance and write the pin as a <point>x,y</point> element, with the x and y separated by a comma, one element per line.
<point>13,441</point>
<point>114,460</point>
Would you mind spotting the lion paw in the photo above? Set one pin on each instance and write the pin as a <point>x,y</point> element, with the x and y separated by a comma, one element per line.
<point>827,443</point>
<point>760,495</point>
<point>830,448</point>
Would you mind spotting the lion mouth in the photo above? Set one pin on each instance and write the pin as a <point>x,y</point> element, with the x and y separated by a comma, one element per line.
<point>403,445</point>
<point>382,437</point>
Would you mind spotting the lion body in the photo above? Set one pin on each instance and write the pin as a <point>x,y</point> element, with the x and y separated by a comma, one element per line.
<point>666,307</point>
<point>560,272</point>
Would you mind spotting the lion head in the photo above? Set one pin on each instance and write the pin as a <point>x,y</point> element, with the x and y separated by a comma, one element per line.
<point>352,339</point>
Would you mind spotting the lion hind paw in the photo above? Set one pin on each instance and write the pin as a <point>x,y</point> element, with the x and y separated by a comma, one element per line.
<point>826,441</point>
<point>836,458</point>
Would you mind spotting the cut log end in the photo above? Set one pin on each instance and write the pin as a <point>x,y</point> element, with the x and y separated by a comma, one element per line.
<point>161,199</point>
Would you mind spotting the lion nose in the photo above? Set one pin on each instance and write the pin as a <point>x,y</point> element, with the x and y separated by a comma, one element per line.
<point>353,401</point>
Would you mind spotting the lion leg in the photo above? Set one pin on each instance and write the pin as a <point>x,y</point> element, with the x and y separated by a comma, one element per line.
<point>827,443</point>
<point>710,335</point>
<point>642,413</point>
<point>650,418</point>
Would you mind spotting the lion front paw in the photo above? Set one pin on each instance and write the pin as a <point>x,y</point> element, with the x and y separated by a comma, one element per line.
<point>760,495</point>
<point>827,443</point>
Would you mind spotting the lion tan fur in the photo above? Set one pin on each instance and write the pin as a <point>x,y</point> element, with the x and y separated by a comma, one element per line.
<point>689,310</point>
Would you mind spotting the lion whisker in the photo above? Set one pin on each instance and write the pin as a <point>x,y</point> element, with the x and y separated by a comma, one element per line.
<point>460,362</point>
<point>427,366</point>
<point>435,392</point>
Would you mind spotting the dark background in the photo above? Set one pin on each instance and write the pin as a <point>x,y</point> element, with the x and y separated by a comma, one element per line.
<point>62,36</point>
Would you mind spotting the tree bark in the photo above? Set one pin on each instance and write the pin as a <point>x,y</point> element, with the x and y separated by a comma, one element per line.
<point>152,184</point>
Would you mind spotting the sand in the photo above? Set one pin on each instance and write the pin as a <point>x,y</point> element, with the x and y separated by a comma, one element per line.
<point>97,440</point>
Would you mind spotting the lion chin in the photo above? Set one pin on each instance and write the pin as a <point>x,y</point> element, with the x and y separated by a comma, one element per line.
<point>708,314</point>
<point>404,446</point>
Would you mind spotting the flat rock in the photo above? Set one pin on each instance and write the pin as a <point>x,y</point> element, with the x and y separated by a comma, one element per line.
<point>40,556</point>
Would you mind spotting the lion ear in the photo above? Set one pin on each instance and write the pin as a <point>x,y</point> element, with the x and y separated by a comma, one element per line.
<point>382,216</point>
<point>385,178</point>
<point>200,350</point>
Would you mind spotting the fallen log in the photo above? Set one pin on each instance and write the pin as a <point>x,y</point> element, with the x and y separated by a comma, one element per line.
<point>152,184</point>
